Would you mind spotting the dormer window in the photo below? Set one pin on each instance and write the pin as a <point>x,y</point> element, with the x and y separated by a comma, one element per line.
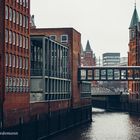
<point>64,38</point>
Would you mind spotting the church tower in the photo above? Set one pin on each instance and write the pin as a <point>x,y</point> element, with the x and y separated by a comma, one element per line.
<point>134,49</point>
<point>89,56</point>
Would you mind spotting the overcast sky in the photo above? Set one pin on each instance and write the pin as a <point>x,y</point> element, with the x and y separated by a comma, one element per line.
<point>104,23</point>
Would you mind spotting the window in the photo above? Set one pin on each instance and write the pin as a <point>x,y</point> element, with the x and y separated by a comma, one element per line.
<point>20,81</point>
<point>27,22</point>
<point>10,60</point>
<point>53,37</point>
<point>20,40</point>
<point>26,63</point>
<point>20,62</point>
<point>6,83</point>
<point>17,17</point>
<point>6,35</point>
<point>14,81</point>
<point>10,37</point>
<point>26,42</point>
<point>23,63</point>
<point>14,16</point>
<point>26,3</point>
<point>14,38</point>
<point>24,21</point>
<point>10,14</point>
<point>27,83</point>
<point>17,61</point>
<point>64,38</point>
<point>17,40</point>
<point>6,59</point>
<point>20,19</point>
<point>6,12</point>
<point>17,81</point>
<point>10,81</point>
<point>20,2</point>
<point>13,64</point>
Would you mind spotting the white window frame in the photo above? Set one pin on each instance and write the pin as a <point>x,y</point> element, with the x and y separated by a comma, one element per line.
<point>64,41</point>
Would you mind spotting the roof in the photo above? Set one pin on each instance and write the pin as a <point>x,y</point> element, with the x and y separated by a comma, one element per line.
<point>135,19</point>
<point>88,47</point>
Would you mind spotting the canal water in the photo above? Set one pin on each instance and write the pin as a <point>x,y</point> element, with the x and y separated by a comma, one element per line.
<point>105,126</point>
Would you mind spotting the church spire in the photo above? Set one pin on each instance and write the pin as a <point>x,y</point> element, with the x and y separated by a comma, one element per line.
<point>135,18</point>
<point>88,47</point>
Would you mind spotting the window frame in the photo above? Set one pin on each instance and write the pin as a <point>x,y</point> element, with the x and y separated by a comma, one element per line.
<point>66,40</point>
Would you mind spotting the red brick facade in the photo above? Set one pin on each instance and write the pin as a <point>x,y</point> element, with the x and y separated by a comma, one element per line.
<point>134,52</point>
<point>15,58</point>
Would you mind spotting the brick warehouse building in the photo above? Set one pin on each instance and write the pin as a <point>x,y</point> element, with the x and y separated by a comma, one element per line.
<point>18,112</point>
<point>134,50</point>
<point>71,38</point>
<point>14,61</point>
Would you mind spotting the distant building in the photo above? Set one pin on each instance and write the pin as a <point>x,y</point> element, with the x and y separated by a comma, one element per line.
<point>99,62</point>
<point>111,59</point>
<point>123,61</point>
<point>87,56</point>
<point>134,49</point>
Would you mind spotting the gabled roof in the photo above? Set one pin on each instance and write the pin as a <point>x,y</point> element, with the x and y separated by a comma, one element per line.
<point>135,19</point>
<point>88,47</point>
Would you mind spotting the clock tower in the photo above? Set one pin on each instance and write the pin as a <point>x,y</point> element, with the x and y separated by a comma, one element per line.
<point>134,49</point>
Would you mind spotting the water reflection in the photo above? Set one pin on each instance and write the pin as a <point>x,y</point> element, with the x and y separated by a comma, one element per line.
<point>105,126</point>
